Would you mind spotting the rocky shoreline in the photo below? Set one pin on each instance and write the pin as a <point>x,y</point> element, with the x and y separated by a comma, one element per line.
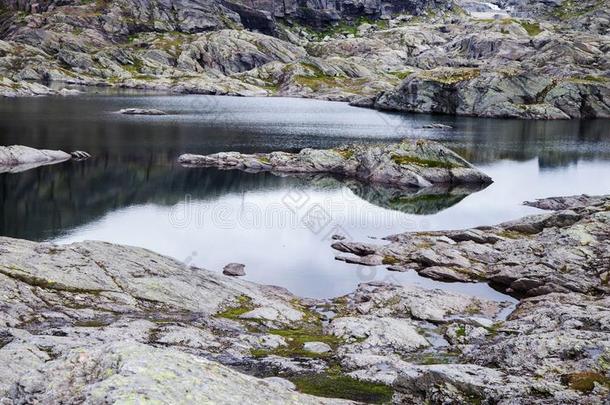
<point>100,323</point>
<point>411,163</point>
<point>515,59</point>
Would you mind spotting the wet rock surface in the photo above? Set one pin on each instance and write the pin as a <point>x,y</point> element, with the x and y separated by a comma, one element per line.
<point>411,163</point>
<point>99,322</point>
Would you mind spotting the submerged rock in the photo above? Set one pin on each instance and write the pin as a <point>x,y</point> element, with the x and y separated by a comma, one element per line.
<point>407,164</point>
<point>80,155</point>
<point>141,111</point>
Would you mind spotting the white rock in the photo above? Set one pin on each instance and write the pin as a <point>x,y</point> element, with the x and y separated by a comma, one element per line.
<point>317,347</point>
<point>141,111</point>
<point>268,313</point>
<point>380,334</point>
<point>281,383</point>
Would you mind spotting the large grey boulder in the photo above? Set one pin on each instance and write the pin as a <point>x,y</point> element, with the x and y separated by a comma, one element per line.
<point>234,270</point>
<point>407,164</point>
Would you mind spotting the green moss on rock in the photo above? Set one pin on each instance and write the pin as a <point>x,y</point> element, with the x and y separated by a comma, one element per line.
<point>390,260</point>
<point>296,339</point>
<point>345,153</point>
<point>411,160</point>
<point>585,381</point>
<point>532,28</point>
<point>244,304</point>
<point>343,386</point>
<point>450,76</point>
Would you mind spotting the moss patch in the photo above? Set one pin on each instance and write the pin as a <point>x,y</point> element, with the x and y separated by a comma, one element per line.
<point>433,358</point>
<point>450,76</point>
<point>570,9</point>
<point>402,74</point>
<point>585,381</point>
<point>343,386</point>
<point>589,79</point>
<point>295,339</point>
<point>244,304</point>
<point>135,67</point>
<point>345,153</point>
<point>92,323</point>
<point>390,260</point>
<point>411,160</point>
<point>532,28</point>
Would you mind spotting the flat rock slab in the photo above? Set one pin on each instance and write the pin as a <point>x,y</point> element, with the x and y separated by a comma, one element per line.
<point>411,163</point>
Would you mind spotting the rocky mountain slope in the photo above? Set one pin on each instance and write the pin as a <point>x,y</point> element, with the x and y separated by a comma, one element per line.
<point>102,323</point>
<point>524,59</point>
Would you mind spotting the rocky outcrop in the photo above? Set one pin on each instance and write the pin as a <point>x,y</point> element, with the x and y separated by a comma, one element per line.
<point>470,91</point>
<point>18,158</point>
<point>408,164</point>
<point>564,251</point>
<point>319,14</point>
<point>539,61</point>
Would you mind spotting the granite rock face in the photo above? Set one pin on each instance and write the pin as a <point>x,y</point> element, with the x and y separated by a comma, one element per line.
<point>521,59</point>
<point>491,94</point>
<point>407,164</point>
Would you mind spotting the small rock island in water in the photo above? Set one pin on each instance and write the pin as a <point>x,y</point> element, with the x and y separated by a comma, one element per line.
<point>411,163</point>
<point>101,322</point>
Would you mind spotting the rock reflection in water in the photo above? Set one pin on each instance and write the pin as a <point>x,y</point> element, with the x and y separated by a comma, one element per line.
<point>418,201</point>
<point>47,202</point>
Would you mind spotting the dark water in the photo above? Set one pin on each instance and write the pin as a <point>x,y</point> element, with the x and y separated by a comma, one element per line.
<point>132,191</point>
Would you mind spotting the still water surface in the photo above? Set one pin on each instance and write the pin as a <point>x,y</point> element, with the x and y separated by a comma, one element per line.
<point>133,192</point>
